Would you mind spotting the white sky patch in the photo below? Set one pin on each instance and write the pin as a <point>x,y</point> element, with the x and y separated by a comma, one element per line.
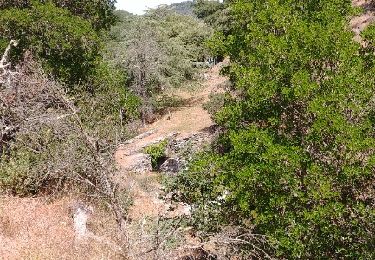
<point>139,6</point>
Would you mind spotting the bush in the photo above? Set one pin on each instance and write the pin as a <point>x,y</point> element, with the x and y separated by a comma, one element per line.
<point>106,103</point>
<point>164,102</point>
<point>216,103</point>
<point>67,44</point>
<point>158,51</point>
<point>296,158</point>
<point>157,153</point>
<point>46,146</point>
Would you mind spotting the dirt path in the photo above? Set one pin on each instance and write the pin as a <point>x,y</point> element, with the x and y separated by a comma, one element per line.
<point>41,229</point>
<point>145,187</point>
<point>184,121</point>
<point>359,23</point>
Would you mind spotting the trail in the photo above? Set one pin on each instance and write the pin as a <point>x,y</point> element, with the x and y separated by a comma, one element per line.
<point>36,228</point>
<point>148,208</point>
<point>361,22</point>
<point>184,121</point>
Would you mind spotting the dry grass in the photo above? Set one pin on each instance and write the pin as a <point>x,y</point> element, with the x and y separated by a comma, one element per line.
<point>33,228</point>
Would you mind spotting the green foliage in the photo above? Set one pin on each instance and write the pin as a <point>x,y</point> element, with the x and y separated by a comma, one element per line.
<point>63,34</point>
<point>216,103</point>
<point>173,43</point>
<point>295,160</point>
<point>164,103</point>
<point>66,44</point>
<point>157,152</point>
<point>98,12</point>
<point>5,4</point>
<point>106,103</point>
<point>15,174</point>
<point>213,13</point>
<point>51,143</point>
<point>184,8</point>
<point>45,164</point>
<point>158,51</point>
<point>206,9</point>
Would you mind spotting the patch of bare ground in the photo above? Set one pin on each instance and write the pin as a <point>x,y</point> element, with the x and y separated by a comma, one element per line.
<point>191,117</point>
<point>153,233</point>
<point>186,120</point>
<point>359,23</point>
<point>34,228</point>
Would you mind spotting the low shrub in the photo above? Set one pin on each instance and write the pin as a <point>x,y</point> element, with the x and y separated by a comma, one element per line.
<point>157,153</point>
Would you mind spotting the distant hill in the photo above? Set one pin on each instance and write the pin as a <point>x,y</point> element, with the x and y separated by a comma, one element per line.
<point>184,8</point>
<point>123,15</point>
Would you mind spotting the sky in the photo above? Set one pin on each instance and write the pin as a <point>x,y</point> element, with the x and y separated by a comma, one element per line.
<point>138,6</point>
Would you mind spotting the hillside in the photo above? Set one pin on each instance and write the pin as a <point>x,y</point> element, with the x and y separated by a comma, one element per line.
<point>184,8</point>
<point>202,130</point>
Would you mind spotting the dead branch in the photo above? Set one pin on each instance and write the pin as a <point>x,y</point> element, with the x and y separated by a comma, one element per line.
<point>37,115</point>
<point>6,73</point>
<point>4,62</point>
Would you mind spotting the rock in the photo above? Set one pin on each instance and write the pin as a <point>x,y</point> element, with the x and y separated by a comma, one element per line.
<point>171,165</point>
<point>189,144</point>
<point>181,151</point>
<point>138,163</point>
<point>81,214</point>
<point>198,254</point>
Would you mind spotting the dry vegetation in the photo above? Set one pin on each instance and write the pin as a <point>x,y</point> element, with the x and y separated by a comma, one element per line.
<point>45,149</point>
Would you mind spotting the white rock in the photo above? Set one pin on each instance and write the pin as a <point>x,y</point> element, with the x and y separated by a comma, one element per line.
<point>138,163</point>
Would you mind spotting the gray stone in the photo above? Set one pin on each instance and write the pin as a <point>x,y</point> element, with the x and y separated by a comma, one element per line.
<point>171,165</point>
<point>138,163</point>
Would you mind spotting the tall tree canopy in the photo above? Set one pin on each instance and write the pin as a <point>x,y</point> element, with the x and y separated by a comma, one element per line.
<point>98,12</point>
<point>212,12</point>
<point>296,158</point>
<point>63,34</point>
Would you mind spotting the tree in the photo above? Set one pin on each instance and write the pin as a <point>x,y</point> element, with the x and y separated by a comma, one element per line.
<point>158,51</point>
<point>65,39</point>
<point>206,8</point>
<point>212,12</point>
<point>143,59</point>
<point>295,158</point>
<point>98,12</point>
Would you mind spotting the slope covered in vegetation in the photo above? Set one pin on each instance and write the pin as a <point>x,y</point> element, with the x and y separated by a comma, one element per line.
<point>73,85</point>
<point>289,174</point>
<point>159,50</point>
<point>294,162</point>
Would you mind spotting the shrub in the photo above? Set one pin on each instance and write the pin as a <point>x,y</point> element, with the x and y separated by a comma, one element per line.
<point>157,153</point>
<point>158,51</point>
<point>46,146</point>
<point>296,162</point>
<point>62,38</point>
<point>216,103</point>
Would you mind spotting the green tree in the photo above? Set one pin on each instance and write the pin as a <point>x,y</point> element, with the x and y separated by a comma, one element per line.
<point>206,9</point>
<point>295,160</point>
<point>98,12</point>
<point>212,13</point>
<point>65,39</point>
<point>158,51</point>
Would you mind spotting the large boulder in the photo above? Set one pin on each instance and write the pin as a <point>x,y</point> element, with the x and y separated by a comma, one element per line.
<point>171,165</point>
